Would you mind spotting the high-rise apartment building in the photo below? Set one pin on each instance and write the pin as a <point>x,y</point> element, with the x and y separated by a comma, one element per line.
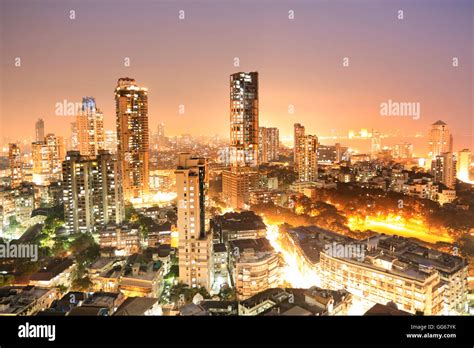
<point>39,130</point>
<point>92,192</point>
<point>244,119</point>
<point>90,128</point>
<point>307,155</point>
<point>74,136</point>
<point>463,165</point>
<point>16,165</point>
<point>444,170</point>
<point>132,137</point>
<point>376,143</point>
<point>237,184</point>
<point>47,157</point>
<point>195,243</point>
<point>298,133</point>
<point>268,144</point>
<point>440,139</point>
<point>111,141</point>
<point>402,151</point>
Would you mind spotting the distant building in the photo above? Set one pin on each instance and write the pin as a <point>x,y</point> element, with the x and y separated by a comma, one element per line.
<point>444,170</point>
<point>327,154</point>
<point>39,130</point>
<point>16,165</point>
<point>440,139</point>
<point>402,151</point>
<point>463,165</point>
<point>90,127</point>
<point>47,157</point>
<point>298,134</point>
<point>268,144</point>
<point>376,143</point>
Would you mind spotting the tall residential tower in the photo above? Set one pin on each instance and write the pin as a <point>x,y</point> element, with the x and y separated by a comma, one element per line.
<point>132,137</point>
<point>195,243</point>
<point>244,119</point>
<point>90,127</point>
<point>440,139</point>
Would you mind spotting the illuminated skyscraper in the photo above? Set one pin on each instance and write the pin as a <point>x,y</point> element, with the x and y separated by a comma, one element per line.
<point>268,144</point>
<point>463,165</point>
<point>307,158</point>
<point>376,143</point>
<point>402,151</point>
<point>74,136</point>
<point>92,192</point>
<point>132,137</point>
<point>90,127</point>
<point>39,130</point>
<point>111,141</point>
<point>444,170</point>
<point>299,132</point>
<point>244,139</point>
<point>440,139</point>
<point>244,119</point>
<point>195,243</point>
<point>47,157</point>
<point>16,165</point>
<point>237,184</point>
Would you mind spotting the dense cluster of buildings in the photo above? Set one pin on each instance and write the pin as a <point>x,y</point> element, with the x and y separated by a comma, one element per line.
<point>386,269</point>
<point>103,170</point>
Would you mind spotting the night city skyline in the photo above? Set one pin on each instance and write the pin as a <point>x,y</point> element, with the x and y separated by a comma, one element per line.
<point>303,54</point>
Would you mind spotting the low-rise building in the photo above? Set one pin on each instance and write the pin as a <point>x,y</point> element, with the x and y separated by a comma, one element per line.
<point>56,272</point>
<point>123,239</point>
<point>25,300</point>
<point>143,280</point>
<point>300,302</point>
<point>254,266</point>
<point>235,226</point>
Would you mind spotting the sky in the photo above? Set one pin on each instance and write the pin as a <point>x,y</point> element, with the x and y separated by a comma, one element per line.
<point>188,62</point>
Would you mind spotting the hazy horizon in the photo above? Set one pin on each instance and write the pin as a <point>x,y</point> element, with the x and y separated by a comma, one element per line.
<point>188,62</point>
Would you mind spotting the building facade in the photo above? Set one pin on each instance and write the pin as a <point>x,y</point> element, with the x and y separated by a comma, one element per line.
<point>16,165</point>
<point>244,119</point>
<point>132,137</point>
<point>90,127</point>
<point>307,158</point>
<point>440,139</point>
<point>268,144</point>
<point>92,192</point>
<point>195,243</point>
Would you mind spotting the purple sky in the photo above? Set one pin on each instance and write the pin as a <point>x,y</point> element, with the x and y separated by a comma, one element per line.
<point>189,62</point>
